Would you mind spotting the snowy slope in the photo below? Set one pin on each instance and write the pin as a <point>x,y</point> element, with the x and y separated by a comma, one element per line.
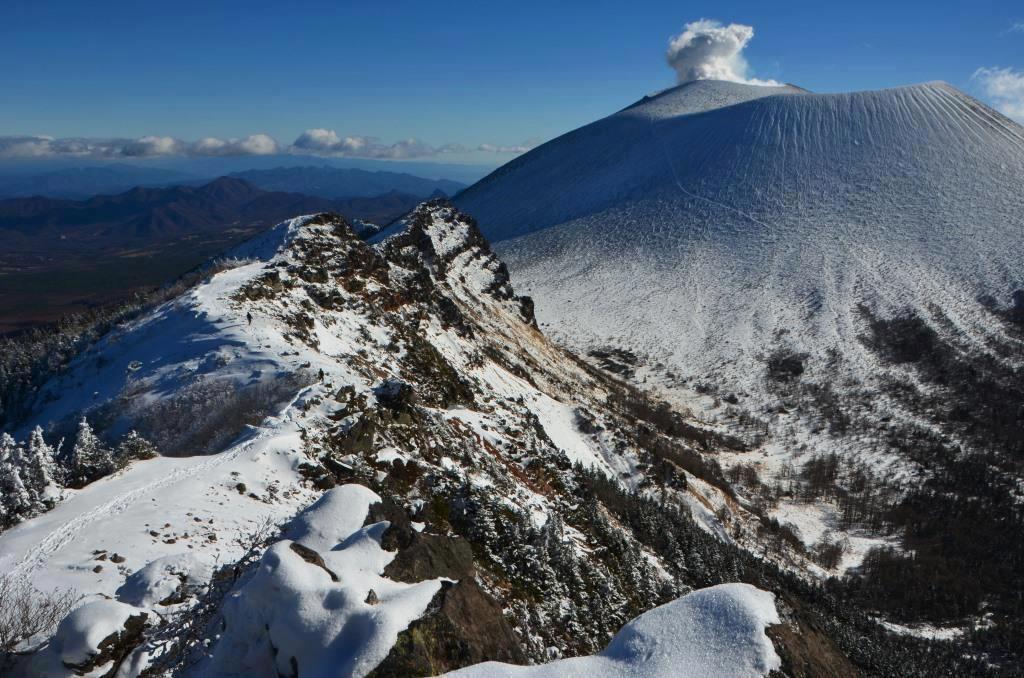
<point>704,234</point>
<point>715,223</point>
<point>411,368</point>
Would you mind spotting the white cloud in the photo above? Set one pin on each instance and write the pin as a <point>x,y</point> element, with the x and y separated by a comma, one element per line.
<point>143,147</point>
<point>1017,27</point>
<point>46,146</point>
<point>210,146</point>
<point>318,141</point>
<point>1005,87</point>
<point>707,50</point>
<point>254,144</point>
<point>259,144</point>
<point>25,147</point>
<point>327,142</point>
<point>516,149</point>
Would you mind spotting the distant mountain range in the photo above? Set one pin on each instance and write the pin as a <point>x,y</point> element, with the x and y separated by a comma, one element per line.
<point>214,166</point>
<point>84,182</point>
<point>79,182</point>
<point>59,256</point>
<point>143,216</point>
<point>337,182</point>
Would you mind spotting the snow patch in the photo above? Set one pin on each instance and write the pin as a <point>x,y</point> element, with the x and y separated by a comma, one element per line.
<point>332,518</point>
<point>162,578</point>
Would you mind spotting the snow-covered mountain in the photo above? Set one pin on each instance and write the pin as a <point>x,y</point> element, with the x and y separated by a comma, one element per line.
<point>709,223</point>
<point>369,465</point>
<point>837,279</point>
<point>374,462</point>
<point>741,239</point>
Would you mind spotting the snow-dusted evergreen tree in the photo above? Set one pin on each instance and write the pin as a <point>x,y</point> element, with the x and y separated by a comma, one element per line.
<point>8,449</point>
<point>133,446</point>
<point>90,458</point>
<point>17,501</point>
<point>40,470</point>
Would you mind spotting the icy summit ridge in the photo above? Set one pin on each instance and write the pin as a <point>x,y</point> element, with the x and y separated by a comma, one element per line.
<point>704,95</point>
<point>447,243</point>
<point>451,245</point>
<point>698,96</point>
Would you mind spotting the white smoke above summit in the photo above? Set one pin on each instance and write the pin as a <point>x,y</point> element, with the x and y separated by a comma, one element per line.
<point>707,50</point>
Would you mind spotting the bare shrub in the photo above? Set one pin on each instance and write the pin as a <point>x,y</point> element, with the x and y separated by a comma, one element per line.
<point>27,614</point>
<point>184,637</point>
<point>206,415</point>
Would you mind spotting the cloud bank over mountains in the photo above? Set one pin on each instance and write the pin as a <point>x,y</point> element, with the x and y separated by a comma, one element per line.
<point>316,141</point>
<point>327,142</point>
<point>143,147</point>
<point>707,50</point>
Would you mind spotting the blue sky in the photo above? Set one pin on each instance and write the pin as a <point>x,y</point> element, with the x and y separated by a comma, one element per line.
<point>462,73</point>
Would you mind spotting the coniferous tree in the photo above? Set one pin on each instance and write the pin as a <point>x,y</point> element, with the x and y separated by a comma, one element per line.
<point>90,458</point>
<point>40,471</point>
<point>9,449</point>
<point>132,447</point>
<point>16,499</point>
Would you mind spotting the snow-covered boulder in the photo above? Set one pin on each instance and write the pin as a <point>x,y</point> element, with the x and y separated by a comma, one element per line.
<point>717,631</point>
<point>332,615</point>
<point>95,634</point>
<point>164,580</point>
<point>332,518</point>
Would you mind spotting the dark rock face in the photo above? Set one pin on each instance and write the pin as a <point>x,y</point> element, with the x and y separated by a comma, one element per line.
<point>430,556</point>
<point>421,555</point>
<point>526,309</point>
<point>462,626</point>
<point>399,534</point>
<point>416,236</point>
<point>398,398</point>
<point>359,437</point>
<point>783,366</point>
<point>804,646</point>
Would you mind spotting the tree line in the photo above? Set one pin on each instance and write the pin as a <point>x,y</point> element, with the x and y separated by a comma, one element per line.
<point>33,472</point>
